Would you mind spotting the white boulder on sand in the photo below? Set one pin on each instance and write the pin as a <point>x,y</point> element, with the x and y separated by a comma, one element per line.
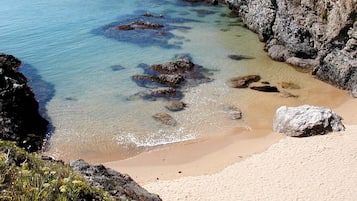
<point>320,167</point>
<point>306,120</point>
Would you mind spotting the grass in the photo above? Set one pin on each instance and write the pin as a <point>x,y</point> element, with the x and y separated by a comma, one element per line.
<point>24,176</point>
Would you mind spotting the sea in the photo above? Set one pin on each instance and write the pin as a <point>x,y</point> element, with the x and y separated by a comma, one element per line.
<point>81,69</point>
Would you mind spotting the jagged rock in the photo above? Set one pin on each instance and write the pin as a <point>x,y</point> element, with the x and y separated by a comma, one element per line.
<point>20,120</point>
<point>119,186</point>
<point>243,81</point>
<point>265,88</point>
<point>175,106</point>
<point>306,120</point>
<point>165,119</point>
<point>309,34</point>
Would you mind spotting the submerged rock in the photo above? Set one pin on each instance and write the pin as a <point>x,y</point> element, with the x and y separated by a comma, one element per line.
<point>176,75</point>
<point>306,120</point>
<point>160,93</point>
<point>243,81</point>
<point>265,88</point>
<point>165,119</point>
<point>175,106</point>
<point>290,85</point>
<point>20,120</point>
<point>119,186</point>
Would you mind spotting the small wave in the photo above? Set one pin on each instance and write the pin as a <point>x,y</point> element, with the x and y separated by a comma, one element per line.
<point>154,139</point>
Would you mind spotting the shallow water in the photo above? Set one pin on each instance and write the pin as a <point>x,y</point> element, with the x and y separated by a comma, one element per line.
<point>86,75</point>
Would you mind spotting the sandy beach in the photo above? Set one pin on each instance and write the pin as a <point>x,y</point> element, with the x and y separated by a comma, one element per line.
<point>260,167</point>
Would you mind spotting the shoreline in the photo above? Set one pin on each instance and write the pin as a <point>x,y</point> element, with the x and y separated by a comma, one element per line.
<point>208,156</point>
<point>312,168</point>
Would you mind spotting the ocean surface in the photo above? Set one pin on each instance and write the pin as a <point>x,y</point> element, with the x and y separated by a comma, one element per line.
<point>81,71</point>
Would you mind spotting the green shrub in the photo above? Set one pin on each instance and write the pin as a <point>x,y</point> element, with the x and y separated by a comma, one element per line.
<point>24,176</point>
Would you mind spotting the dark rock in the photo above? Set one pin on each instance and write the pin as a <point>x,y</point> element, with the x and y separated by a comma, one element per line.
<point>306,120</point>
<point>160,93</point>
<point>243,81</point>
<point>117,67</point>
<point>265,88</point>
<point>165,119</point>
<point>238,57</point>
<point>162,79</point>
<point>119,186</point>
<point>20,120</point>
<point>145,30</point>
<point>179,74</point>
<point>175,106</point>
<point>139,25</point>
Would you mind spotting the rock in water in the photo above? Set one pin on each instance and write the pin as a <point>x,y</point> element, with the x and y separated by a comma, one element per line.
<point>119,186</point>
<point>20,120</point>
<point>165,119</point>
<point>175,106</point>
<point>306,120</point>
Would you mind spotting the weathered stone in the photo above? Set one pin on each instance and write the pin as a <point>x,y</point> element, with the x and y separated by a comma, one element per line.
<point>265,88</point>
<point>309,34</point>
<point>20,120</point>
<point>119,186</point>
<point>306,120</point>
<point>243,81</point>
<point>165,119</point>
<point>175,106</point>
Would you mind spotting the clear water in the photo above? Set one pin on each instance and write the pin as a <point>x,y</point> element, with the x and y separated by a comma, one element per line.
<point>87,101</point>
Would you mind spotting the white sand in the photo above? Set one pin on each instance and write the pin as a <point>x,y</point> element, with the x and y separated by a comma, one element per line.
<point>314,168</point>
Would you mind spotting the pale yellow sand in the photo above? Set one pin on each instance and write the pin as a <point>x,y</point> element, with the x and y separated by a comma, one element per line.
<point>314,168</point>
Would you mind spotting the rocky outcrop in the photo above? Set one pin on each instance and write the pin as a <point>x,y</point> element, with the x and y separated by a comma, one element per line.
<point>166,80</point>
<point>319,35</point>
<point>306,120</point>
<point>119,186</point>
<point>20,120</point>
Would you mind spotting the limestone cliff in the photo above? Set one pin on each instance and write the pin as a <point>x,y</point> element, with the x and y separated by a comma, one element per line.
<point>320,35</point>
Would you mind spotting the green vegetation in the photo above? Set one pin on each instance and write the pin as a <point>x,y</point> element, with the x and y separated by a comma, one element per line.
<point>24,176</point>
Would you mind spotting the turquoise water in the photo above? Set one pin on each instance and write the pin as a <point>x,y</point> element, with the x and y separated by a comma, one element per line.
<point>86,98</point>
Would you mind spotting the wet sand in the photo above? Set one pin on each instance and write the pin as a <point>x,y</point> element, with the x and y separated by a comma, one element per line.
<point>211,155</point>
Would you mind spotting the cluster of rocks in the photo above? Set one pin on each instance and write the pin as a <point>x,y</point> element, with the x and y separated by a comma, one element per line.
<point>20,120</point>
<point>318,35</point>
<point>166,81</point>
<point>145,30</point>
<point>119,186</point>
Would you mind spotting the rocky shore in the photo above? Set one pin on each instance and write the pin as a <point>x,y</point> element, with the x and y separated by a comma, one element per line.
<point>20,120</point>
<point>320,36</point>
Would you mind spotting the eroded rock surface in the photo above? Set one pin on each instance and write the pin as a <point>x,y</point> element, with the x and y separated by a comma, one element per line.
<point>306,120</point>
<point>318,35</point>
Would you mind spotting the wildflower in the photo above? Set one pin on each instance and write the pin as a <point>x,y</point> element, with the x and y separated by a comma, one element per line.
<point>63,189</point>
<point>76,182</point>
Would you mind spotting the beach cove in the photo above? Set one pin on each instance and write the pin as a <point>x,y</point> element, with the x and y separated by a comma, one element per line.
<point>87,73</point>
